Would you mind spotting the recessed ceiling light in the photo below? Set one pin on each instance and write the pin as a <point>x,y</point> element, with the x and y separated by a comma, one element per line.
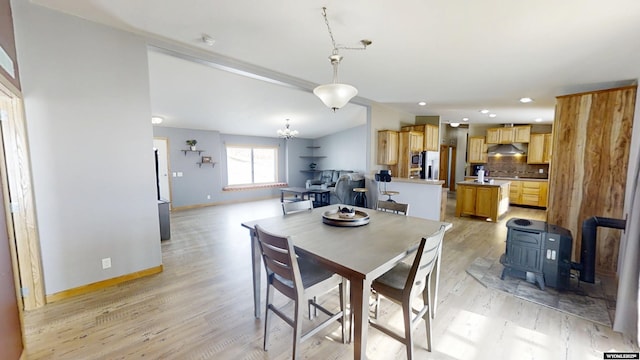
<point>156,120</point>
<point>484,111</point>
<point>492,115</point>
<point>422,103</point>
<point>207,39</point>
<point>525,100</point>
<point>538,120</point>
<point>454,124</point>
<point>465,119</point>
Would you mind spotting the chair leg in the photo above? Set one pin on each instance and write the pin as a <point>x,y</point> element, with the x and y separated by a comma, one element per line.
<point>408,328</point>
<point>377,306</point>
<point>267,319</point>
<point>297,329</point>
<point>343,308</point>
<point>426,297</point>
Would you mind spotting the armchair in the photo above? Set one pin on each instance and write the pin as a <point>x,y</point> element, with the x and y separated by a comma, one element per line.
<point>342,192</point>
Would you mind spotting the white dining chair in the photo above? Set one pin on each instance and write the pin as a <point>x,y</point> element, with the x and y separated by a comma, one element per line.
<point>296,206</point>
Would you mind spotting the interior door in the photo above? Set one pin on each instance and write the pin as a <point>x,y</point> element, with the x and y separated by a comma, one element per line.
<point>162,145</point>
<point>10,328</point>
<point>448,166</point>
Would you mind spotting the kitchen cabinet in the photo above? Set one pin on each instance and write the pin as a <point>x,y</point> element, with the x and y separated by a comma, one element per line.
<point>531,193</point>
<point>387,147</point>
<point>409,144</point>
<point>477,153</point>
<point>539,149</point>
<point>509,135</point>
<point>430,133</point>
<point>522,134</point>
<point>493,136</point>
<point>489,201</point>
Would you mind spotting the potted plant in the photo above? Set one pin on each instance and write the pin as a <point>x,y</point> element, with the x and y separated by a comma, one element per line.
<point>192,144</point>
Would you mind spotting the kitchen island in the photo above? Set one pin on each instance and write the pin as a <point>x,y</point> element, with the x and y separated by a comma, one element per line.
<point>425,197</point>
<point>487,200</point>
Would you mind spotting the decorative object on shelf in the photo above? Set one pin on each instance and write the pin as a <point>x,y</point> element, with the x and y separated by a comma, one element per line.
<point>287,133</point>
<point>337,95</point>
<point>206,159</point>
<point>192,144</point>
<point>312,166</point>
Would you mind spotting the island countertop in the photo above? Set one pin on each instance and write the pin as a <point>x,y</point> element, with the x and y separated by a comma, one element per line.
<point>494,183</point>
<point>418,181</point>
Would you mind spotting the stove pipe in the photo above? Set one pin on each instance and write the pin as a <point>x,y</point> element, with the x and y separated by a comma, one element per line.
<point>587,266</point>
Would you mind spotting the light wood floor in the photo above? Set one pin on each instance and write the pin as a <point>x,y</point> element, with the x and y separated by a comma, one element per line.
<point>201,306</point>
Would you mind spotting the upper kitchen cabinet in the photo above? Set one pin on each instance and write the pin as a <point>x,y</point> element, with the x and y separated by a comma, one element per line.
<point>387,147</point>
<point>539,149</point>
<point>509,135</point>
<point>431,136</point>
<point>409,144</point>
<point>522,134</point>
<point>477,153</point>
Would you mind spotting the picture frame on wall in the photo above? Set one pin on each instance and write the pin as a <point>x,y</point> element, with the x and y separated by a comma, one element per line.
<point>206,159</point>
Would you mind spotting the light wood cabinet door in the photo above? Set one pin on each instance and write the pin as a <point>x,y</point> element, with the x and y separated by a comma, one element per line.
<point>431,138</point>
<point>416,141</point>
<point>477,153</point>
<point>468,200</point>
<point>486,199</point>
<point>546,153</point>
<point>506,135</point>
<point>387,147</point>
<point>536,149</point>
<point>493,136</point>
<point>522,134</point>
<point>515,193</point>
<point>544,193</point>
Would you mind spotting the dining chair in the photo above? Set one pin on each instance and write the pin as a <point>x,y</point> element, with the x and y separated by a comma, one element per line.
<point>394,207</point>
<point>406,281</point>
<point>300,280</point>
<point>296,206</point>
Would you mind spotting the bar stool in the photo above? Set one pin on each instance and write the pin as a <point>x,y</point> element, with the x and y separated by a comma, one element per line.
<point>360,199</point>
<point>389,194</point>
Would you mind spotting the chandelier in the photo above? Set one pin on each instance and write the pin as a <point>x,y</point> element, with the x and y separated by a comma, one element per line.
<point>287,133</point>
<point>336,95</point>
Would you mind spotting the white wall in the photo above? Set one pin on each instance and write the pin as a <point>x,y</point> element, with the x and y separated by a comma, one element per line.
<point>345,150</point>
<point>86,92</point>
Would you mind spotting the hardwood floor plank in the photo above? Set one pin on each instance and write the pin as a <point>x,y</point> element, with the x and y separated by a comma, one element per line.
<point>201,306</point>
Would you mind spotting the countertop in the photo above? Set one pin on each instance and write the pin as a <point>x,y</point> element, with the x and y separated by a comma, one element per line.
<point>414,181</point>
<point>495,183</point>
<point>508,178</point>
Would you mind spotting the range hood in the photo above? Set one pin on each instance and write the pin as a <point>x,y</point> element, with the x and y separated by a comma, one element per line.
<point>504,149</point>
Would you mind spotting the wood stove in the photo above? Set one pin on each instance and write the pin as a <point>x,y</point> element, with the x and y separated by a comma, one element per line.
<point>538,252</point>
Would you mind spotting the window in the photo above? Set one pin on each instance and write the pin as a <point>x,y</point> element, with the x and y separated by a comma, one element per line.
<point>251,165</point>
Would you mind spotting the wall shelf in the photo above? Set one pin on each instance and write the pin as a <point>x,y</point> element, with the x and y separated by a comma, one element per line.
<point>208,163</point>
<point>311,157</point>
<point>311,171</point>
<point>194,151</point>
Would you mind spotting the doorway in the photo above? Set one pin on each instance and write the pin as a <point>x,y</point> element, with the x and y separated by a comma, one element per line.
<point>161,145</point>
<point>448,166</point>
<point>11,346</point>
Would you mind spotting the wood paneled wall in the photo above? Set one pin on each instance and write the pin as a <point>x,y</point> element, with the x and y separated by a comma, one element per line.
<point>591,143</point>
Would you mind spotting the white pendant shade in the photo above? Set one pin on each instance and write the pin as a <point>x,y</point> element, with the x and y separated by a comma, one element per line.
<point>335,95</point>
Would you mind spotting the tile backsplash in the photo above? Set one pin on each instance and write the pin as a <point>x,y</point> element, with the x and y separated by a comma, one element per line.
<point>511,166</point>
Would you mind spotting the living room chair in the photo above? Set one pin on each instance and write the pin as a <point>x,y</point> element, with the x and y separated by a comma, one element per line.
<point>299,280</point>
<point>296,206</point>
<point>403,283</point>
<point>394,207</point>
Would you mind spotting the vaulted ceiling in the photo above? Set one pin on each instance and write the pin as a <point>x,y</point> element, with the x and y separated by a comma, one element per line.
<point>457,56</point>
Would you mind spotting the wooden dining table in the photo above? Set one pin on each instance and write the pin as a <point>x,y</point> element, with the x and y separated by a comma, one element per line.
<point>358,253</point>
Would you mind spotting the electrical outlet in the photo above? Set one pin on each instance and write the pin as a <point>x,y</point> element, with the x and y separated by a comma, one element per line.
<point>106,263</point>
<point>541,171</point>
<point>179,173</point>
<point>208,197</point>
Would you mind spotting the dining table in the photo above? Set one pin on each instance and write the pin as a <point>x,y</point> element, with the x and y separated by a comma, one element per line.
<point>359,252</point>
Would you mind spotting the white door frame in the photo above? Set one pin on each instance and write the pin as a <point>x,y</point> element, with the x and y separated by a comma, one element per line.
<point>164,168</point>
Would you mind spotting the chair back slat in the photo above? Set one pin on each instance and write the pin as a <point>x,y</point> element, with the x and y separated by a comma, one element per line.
<point>279,259</point>
<point>296,206</point>
<point>426,257</point>
<point>394,207</point>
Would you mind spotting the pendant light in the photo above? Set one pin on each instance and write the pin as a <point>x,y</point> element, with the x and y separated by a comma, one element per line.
<point>336,95</point>
<point>287,133</point>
